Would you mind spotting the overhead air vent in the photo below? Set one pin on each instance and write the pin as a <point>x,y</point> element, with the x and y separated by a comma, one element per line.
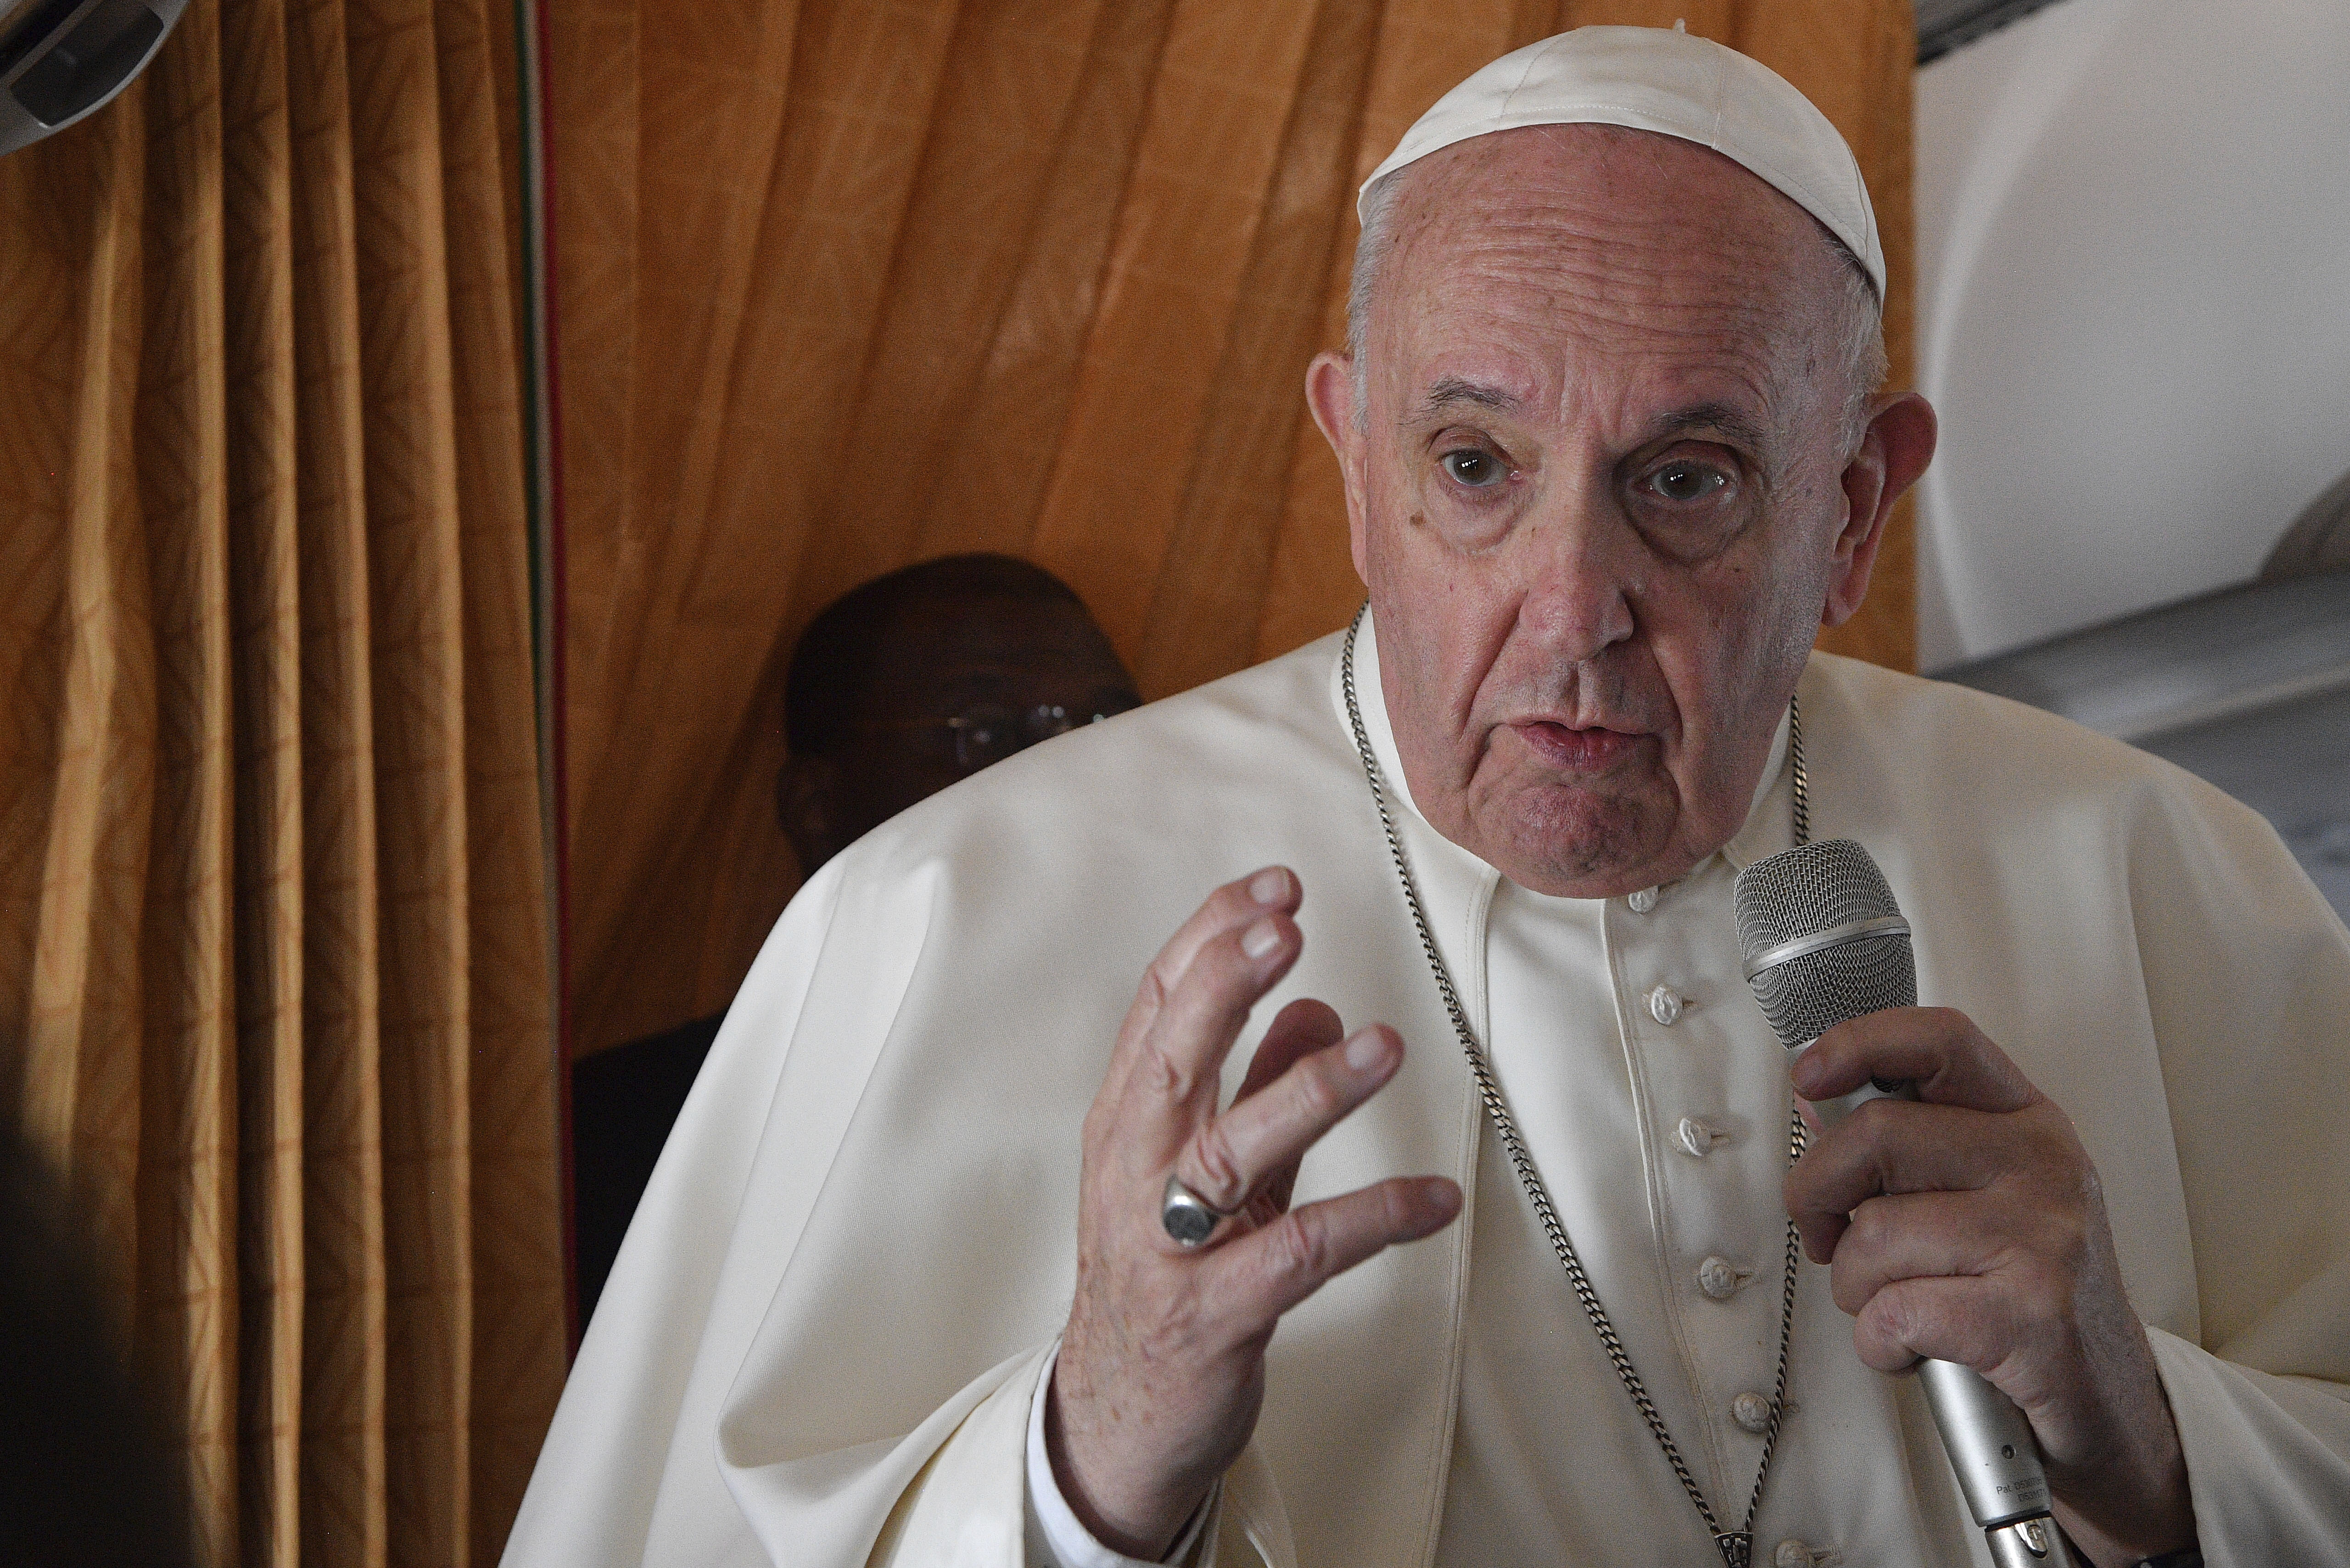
<point>62,59</point>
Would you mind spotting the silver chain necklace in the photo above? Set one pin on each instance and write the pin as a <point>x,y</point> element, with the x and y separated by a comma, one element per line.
<point>1737,1546</point>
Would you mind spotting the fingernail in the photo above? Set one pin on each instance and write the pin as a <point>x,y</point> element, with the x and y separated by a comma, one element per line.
<point>1367,1051</point>
<point>1261,939</point>
<point>1795,1068</point>
<point>1268,887</point>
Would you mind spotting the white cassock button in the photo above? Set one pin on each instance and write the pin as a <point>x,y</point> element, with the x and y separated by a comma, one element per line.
<point>1697,1138</point>
<point>1801,1554</point>
<point>1642,901</point>
<point>1752,1411</point>
<point>1720,1278</point>
<point>1665,1005</point>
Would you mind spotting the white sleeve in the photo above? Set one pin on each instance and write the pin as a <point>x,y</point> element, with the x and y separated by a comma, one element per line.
<point>1057,1539</point>
<point>2268,1457</point>
<point>2248,986</point>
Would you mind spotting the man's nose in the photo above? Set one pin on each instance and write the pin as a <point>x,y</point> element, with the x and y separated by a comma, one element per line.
<point>1578,599</point>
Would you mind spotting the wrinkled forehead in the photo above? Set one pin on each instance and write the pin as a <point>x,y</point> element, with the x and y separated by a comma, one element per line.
<point>1549,253</point>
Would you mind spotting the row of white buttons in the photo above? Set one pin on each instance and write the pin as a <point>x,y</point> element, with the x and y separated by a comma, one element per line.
<point>1718,1277</point>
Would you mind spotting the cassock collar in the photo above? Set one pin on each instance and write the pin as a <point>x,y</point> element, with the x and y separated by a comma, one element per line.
<point>1769,813</point>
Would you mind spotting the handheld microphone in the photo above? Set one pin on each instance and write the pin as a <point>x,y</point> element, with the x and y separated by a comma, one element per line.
<point>1822,943</point>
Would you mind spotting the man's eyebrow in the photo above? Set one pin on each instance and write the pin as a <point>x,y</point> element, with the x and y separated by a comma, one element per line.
<point>1739,427</point>
<point>1448,392</point>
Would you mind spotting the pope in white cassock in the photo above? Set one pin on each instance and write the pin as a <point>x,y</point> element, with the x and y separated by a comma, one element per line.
<point>903,1289</point>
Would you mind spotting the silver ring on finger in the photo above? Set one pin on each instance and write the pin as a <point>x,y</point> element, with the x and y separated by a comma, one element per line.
<point>1188,1218</point>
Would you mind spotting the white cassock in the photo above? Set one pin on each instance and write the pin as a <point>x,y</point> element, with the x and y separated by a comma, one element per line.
<point>823,1339</point>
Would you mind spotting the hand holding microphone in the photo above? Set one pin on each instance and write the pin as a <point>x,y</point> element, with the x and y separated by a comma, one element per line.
<point>1965,1228</point>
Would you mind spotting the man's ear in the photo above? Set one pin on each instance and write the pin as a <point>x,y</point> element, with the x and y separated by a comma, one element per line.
<point>803,794</point>
<point>1895,449</point>
<point>1330,393</point>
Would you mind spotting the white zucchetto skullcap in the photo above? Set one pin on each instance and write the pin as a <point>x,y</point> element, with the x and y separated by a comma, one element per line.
<point>1664,80</point>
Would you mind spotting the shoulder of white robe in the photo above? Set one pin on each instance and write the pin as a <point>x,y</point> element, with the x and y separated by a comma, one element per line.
<point>595,1489</point>
<point>964,866</point>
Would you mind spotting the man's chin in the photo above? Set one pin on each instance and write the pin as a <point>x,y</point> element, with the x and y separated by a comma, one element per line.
<point>1577,843</point>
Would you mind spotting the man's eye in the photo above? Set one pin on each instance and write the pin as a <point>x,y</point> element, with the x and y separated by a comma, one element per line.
<point>1474,469</point>
<point>1687,482</point>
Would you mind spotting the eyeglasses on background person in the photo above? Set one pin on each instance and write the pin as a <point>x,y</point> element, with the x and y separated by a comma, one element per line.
<point>985,734</point>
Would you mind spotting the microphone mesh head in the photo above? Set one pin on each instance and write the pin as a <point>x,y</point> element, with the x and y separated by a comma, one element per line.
<point>1815,888</point>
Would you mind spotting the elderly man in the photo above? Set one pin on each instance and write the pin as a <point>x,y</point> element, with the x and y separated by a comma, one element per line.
<point>914,1286</point>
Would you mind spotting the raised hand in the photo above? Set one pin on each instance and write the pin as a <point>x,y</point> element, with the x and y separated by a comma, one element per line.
<point>1161,1369</point>
<point>1968,1226</point>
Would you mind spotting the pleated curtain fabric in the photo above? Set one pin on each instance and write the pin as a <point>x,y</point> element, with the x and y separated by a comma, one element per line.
<point>847,286</point>
<point>275,986</point>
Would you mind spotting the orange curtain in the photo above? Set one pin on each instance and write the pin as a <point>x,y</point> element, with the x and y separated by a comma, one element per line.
<point>847,286</point>
<point>274,995</point>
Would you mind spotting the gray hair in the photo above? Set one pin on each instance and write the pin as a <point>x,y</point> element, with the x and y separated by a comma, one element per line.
<point>1863,358</point>
<point>1371,250</point>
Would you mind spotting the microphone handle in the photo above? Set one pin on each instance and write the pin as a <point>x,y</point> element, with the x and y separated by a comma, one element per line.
<point>1989,1440</point>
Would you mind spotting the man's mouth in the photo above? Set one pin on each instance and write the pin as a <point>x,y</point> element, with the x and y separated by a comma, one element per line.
<point>1593,750</point>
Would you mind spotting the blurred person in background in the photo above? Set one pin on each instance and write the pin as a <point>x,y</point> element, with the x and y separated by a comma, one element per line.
<point>900,687</point>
